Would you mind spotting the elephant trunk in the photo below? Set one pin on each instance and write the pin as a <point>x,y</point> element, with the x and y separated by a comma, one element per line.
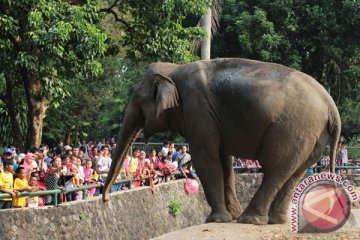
<point>127,135</point>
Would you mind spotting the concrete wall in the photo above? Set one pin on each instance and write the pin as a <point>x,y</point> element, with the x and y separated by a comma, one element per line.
<point>133,214</point>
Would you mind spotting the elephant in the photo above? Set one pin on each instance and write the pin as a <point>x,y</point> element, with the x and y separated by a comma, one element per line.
<point>235,107</point>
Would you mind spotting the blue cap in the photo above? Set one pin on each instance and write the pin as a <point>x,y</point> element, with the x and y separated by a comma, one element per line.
<point>7,151</point>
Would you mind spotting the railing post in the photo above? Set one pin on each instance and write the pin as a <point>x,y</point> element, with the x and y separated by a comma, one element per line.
<point>130,184</point>
<point>85,194</point>
<point>56,199</point>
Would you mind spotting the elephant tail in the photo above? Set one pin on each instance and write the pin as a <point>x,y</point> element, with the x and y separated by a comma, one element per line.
<point>335,131</point>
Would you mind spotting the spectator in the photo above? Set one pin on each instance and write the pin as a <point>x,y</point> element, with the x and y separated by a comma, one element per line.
<point>76,181</point>
<point>165,148</point>
<point>133,163</point>
<point>174,164</point>
<point>21,185</point>
<point>108,145</point>
<point>85,148</point>
<point>29,164</point>
<point>124,172</point>
<point>188,171</point>
<point>153,158</point>
<point>44,149</point>
<point>7,154</point>
<point>66,161</point>
<point>94,156</point>
<point>75,151</point>
<point>55,171</point>
<point>310,170</point>
<point>153,176</point>
<point>68,150</point>
<point>172,148</point>
<point>344,154</point>
<point>41,186</point>
<point>75,161</point>
<point>175,154</point>
<point>58,153</point>
<point>19,158</point>
<point>103,164</point>
<point>61,144</point>
<point>7,183</point>
<point>159,157</point>
<point>33,201</point>
<point>183,157</point>
<point>143,161</point>
<point>324,163</point>
<point>88,173</point>
<point>101,144</point>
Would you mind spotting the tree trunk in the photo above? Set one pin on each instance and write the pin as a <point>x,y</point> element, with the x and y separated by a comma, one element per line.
<point>76,133</point>
<point>37,106</point>
<point>11,109</point>
<point>206,41</point>
<point>68,138</point>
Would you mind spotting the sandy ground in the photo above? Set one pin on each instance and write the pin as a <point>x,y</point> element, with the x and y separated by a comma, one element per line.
<point>236,231</point>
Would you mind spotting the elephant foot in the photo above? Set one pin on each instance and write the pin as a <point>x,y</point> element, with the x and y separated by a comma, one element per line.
<point>253,219</point>
<point>219,217</point>
<point>277,218</point>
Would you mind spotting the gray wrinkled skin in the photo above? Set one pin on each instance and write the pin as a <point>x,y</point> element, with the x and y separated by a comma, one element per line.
<point>235,107</point>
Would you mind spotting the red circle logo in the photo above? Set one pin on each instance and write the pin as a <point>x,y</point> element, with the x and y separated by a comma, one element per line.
<point>326,207</point>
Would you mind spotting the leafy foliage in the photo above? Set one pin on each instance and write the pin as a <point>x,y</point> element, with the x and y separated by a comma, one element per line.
<point>47,45</point>
<point>318,37</point>
<point>175,207</point>
<point>156,30</point>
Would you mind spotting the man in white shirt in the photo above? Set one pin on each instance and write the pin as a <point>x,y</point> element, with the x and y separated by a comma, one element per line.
<point>103,164</point>
<point>165,149</point>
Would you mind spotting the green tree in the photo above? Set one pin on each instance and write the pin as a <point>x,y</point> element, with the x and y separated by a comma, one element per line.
<point>159,30</point>
<point>318,37</point>
<point>45,46</point>
<point>96,105</point>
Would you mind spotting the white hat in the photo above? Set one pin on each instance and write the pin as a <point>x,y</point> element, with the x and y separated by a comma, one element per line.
<point>67,147</point>
<point>21,156</point>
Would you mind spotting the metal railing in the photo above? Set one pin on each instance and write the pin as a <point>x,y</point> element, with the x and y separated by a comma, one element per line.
<point>148,147</point>
<point>84,188</point>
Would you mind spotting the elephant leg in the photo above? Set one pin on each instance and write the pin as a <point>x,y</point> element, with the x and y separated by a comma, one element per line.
<point>279,164</point>
<point>279,207</point>
<point>208,168</point>
<point>231,201</point>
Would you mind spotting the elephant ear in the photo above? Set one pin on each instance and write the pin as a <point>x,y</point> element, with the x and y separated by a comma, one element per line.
<point>167,95</point>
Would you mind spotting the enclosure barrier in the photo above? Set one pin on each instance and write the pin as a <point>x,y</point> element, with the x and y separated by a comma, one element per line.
<point>84,188</point>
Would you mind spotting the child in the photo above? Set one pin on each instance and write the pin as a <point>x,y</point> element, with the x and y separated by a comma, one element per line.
<point>33,201</point>
<point>40,185</point>
<point>65,161</point>
<point>6,183</point>
<point>21,185</point>
<point>75,182</point>
<point>88,173</point>
<point>153,176</point>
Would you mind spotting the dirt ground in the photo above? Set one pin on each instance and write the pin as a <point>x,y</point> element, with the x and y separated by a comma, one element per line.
<point>236,231</point>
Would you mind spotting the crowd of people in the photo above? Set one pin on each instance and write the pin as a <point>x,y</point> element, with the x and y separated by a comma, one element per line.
<point>246,166</point>
<point>66,167</point>
<point>342,163</point>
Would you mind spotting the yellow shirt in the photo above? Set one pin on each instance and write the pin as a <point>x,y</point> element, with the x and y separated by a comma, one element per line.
<point>133,164</point>
<point>6,182</point>
<point>18,185</point>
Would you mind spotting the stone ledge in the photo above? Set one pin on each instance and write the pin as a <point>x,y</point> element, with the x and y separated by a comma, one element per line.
<point>131,214</point>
